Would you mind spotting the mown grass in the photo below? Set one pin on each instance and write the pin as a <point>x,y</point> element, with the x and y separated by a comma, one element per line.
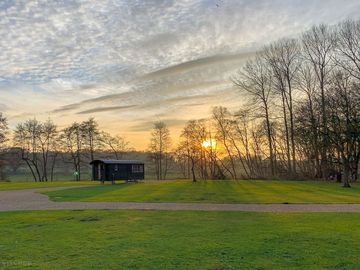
<point>119,239</point>
<point>215,192</point>
<point>26,185</point>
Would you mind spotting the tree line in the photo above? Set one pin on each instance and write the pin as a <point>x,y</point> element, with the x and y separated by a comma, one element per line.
<point>42,144</point>
<point>300,115</point>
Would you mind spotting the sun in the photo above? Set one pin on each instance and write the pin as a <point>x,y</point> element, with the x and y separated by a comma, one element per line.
<point>209,143</point>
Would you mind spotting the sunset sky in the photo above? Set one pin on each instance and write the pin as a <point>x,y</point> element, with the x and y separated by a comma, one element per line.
<point>130,63</point>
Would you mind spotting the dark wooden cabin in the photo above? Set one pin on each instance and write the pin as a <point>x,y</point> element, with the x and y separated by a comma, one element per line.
<point>111,170</point>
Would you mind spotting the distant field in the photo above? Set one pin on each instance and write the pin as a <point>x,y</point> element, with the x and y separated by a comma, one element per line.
<point>116,239</point>
<point>215,192</point>
<point>26,185</point>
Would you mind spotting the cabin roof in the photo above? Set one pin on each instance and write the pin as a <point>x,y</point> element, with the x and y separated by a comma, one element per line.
<point>114,161</point>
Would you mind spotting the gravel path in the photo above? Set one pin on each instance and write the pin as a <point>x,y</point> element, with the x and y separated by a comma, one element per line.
<point>29,199</point>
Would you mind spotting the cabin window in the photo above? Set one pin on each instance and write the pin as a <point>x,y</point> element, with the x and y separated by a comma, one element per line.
<point>136,168</point>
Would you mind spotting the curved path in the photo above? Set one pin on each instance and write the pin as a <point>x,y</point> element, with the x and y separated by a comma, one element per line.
<point>29,199</point>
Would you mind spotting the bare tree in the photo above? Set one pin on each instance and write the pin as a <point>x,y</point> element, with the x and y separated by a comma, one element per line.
<point>26,138</point>
<point>47,138</point>
<point>223,123</point>
<point>344,119</point>
<point>3,138</point>
<point>190,146</point>
<point>36,141</point>
<point>73,143</point>
<point>283,58</point>
<point>159,147</point>
<point>255,79</point>
<point>348,47</point>
<point>241,132</point>
<point>118,145</point>
<point>3,130</point>
<point>308,121</point>
<point>199,148</point>
<point>91,136</point>
<point>318,46</point>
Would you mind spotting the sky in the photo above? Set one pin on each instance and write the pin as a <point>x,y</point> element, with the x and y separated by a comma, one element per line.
<point>131,63</point>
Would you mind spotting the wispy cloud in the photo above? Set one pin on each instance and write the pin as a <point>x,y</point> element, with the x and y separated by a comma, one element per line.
<point>143,126</point>
<point>106,109</point>
<point>196,65</point>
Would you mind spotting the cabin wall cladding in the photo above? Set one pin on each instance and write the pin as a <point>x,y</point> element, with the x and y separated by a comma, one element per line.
<point>111,170</point>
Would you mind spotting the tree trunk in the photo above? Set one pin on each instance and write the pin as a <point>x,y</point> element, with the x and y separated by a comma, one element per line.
<point>325,142</point>
<point>193,170</point>
<point>53,167</point>
<point>346,176</point>
<point>31,169</point>
<point>292,129</point>
<point>37,170</point>
<point>288,156</point>
<point>269,137</point>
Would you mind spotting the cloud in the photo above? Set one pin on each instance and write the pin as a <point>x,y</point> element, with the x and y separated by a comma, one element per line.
<point>142,59</point>
<point>188,82</point>
<point>147,126</point>
<point>196,64</point>
<point>43,40</point>
<point>106,109</point>
<point>67,108</point>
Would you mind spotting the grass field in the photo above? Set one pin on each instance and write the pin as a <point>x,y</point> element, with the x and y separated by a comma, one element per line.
<point>215,192</point>
<point>26,185</point>
<point>118,239</point>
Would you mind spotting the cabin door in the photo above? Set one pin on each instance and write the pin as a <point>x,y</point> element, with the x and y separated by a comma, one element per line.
<point>99,171</point>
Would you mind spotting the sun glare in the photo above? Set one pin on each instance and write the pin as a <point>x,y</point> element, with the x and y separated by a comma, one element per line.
<point>209,143</point>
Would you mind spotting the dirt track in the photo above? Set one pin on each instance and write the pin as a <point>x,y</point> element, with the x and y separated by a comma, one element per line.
<point>29,199</point>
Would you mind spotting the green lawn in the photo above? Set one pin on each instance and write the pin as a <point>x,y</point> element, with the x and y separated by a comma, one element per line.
<point>26,185</point>
<point>119,239</point>
<point>215,192</point>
